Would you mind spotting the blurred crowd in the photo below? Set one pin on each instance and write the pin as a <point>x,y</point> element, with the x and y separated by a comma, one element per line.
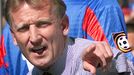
<point>128,10</point>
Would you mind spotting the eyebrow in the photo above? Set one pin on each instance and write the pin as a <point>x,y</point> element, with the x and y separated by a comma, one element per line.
<point>20,25</point>
<point>44,21</point>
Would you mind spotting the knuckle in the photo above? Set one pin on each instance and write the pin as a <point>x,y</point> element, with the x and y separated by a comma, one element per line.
<point>100,55</point>
<point>107,57</point>
<point>104,65</point>
<point>111,55</point>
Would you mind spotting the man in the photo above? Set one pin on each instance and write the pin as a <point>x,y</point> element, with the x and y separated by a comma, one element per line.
<point>40,28</point>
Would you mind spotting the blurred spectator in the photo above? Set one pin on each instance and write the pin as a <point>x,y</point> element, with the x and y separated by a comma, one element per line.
<point>130,29</point>
<point>2,13</point>
<point>127,8</point>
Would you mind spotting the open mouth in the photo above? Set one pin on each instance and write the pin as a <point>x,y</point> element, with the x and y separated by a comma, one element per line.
<point>39,49</point>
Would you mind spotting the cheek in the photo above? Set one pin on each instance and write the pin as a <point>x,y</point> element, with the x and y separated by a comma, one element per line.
<point>58,43</point>
<point>51,32</point>
<point>55,39</point>
<point>22,39</point>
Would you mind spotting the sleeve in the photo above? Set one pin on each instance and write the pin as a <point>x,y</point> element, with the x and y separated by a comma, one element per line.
<point>121,64</point>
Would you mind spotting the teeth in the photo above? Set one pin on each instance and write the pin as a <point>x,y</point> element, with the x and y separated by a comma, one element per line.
<point>37,48</point>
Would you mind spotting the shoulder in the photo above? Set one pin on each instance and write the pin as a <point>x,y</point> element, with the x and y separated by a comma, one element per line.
<point>78,44</point>
<point>81,43</point>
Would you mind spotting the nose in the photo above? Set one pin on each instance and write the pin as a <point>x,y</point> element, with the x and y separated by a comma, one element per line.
<point>35,37</point>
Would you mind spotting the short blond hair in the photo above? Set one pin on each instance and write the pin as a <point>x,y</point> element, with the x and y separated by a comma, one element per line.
<point>16,4</point>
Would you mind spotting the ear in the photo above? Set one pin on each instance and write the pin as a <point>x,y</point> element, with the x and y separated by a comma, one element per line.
<point>65,25</point>
<point>13,36</point>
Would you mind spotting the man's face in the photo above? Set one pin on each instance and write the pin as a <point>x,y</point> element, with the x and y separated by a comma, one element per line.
<point>39,35</point>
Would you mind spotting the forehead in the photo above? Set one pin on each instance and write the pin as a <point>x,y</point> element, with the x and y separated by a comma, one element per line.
<point>26,9</point>
<point>26,13</point>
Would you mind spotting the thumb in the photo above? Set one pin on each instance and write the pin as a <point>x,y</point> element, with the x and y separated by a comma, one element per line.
<point>89,67</point>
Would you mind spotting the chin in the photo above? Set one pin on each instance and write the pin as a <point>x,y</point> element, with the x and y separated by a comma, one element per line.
<point>42,64</point>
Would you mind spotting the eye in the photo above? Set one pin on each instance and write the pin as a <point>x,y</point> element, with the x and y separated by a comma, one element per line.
<point>42,24</point>
<point>23,28</point>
